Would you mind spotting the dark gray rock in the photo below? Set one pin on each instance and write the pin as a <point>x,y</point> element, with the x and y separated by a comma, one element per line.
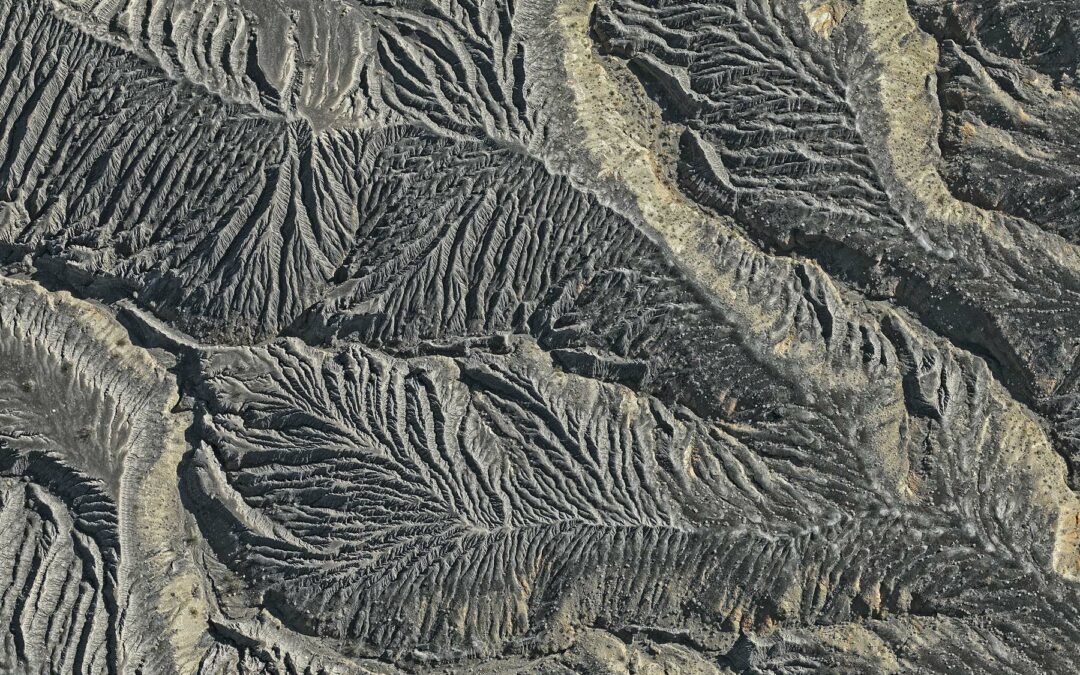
<point>474,336</point>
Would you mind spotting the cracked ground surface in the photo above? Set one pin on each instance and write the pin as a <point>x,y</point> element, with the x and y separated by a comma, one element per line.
<point>544,336</point>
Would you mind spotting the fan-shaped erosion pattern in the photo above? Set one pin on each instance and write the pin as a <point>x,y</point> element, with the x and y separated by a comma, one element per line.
<point>544,336</point>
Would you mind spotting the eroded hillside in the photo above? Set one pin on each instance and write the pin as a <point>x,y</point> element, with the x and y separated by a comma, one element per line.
<point>544,336</point>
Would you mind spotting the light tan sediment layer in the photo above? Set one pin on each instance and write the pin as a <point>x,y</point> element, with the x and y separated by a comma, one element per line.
<point>622,143</point>
<point>156,569</point>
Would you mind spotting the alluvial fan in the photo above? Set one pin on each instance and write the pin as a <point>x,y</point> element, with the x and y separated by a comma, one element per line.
<point>539,336</point>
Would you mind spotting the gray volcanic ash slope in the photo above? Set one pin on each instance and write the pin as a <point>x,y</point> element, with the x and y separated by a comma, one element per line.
<point>539,337</point>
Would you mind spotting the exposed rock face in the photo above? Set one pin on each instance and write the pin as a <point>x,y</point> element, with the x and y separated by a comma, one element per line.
<point>544,336</point>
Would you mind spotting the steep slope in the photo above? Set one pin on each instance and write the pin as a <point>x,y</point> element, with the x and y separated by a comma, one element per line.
<point>529,337</point>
